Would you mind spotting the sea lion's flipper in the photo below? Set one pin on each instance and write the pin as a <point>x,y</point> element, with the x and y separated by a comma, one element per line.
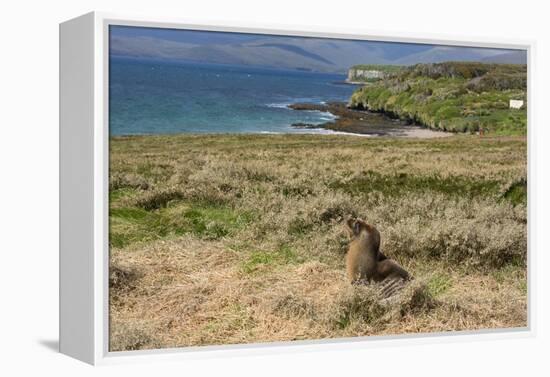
<point>392,285</point>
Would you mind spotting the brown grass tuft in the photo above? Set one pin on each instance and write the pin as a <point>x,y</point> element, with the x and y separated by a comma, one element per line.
<point>122,278</point>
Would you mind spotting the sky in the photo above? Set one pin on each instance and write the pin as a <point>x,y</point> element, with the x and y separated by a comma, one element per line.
<point>289,52</point>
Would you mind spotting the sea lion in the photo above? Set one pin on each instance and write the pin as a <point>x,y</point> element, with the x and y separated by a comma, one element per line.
<point>364,262</point>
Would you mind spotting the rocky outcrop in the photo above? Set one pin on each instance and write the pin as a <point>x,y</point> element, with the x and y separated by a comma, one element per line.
<point>353,121</point>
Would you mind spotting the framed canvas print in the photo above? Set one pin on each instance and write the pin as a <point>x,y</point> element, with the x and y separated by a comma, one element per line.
<point>234,190</point>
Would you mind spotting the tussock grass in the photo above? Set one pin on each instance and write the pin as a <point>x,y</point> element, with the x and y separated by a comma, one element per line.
<point>121,278</point>
<point>234,239</point>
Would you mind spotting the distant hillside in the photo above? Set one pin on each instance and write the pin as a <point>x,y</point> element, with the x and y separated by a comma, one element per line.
<point>516,57</point>
<point>311,54</point>
<point>440,54</point>
<point>452,96</point>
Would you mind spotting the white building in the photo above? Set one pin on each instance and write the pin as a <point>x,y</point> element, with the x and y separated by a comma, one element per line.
<point>516,104</point>
<point>355,74</point>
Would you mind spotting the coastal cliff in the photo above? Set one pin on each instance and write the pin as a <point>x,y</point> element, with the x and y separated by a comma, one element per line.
<point>451,96</point>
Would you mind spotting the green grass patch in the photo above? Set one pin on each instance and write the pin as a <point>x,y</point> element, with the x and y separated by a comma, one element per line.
<point>261,259</point>
<point>134,224</point>
<point>402,184</point>
<point>517,192</point>
<point>439,284</point>
<point>215,222</point>
<point>129,213</point>
<point>523,286</point>
<point>118,194</point>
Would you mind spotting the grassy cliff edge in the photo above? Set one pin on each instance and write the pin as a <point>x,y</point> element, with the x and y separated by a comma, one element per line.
<point>451,96</point>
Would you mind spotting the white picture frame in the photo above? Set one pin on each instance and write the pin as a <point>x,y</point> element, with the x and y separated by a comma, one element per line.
<point>84,149</point>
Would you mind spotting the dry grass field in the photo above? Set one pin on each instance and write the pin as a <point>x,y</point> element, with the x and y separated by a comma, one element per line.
<point>239,238</point>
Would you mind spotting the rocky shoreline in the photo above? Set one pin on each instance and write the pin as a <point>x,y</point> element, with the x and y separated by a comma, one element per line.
<point>363,122</point>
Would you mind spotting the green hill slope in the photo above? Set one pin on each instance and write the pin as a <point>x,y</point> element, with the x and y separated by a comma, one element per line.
<point>452,96</point>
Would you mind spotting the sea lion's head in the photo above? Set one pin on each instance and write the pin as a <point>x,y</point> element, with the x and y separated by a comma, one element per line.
<point>358,229</point>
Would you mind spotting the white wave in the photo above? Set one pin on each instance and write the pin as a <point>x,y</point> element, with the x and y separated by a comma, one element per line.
<point>324,131</point>
<point>325,115</point>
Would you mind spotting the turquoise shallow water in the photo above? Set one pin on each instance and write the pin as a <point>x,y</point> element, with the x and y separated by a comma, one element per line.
<point>155,97</point>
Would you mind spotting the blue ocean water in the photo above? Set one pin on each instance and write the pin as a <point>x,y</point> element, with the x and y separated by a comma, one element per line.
<point>156,97</point>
